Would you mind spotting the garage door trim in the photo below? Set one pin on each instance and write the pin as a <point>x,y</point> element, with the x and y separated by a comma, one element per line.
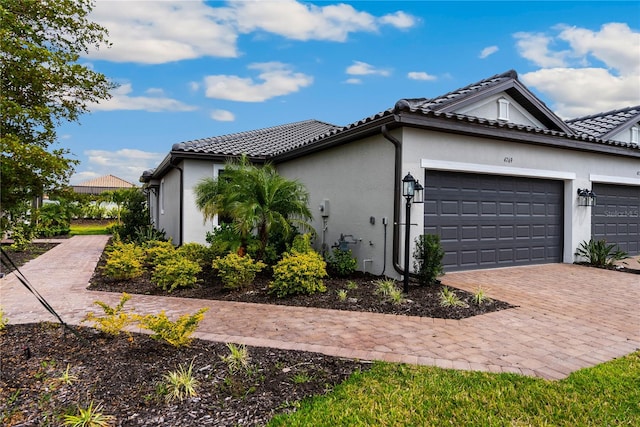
<point>442,165</point>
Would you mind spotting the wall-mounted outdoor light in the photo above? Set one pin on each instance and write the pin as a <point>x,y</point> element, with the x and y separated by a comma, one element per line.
<point>586,197</point>
<point>412,191</point>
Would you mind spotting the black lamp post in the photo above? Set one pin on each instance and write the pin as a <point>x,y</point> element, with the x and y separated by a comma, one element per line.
<point>408,191</point>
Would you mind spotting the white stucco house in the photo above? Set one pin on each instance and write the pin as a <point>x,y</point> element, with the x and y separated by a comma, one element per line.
<point>501,175</point>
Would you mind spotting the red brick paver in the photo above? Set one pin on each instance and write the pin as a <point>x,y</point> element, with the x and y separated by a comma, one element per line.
<point>568,317</point>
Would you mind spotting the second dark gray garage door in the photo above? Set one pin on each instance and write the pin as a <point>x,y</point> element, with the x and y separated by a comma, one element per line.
<point>489,221</point>
<point>616,216</point>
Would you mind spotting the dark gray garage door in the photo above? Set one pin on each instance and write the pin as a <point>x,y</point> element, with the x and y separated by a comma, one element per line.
<point>616,216</point>
<point>494,221</point>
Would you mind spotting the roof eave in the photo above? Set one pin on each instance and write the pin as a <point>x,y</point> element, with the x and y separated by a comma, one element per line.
<point>503,131</point>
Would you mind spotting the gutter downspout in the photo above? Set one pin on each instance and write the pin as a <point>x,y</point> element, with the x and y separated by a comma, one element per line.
<point>396,196</point>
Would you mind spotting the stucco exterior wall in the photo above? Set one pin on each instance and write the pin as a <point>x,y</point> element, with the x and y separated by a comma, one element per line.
<point>169,205</point>
<point>195,228</point>
<point>357,181</point>
<point>442,151</point>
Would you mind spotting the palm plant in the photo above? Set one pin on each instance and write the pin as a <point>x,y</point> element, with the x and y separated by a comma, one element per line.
<point>255,199</point>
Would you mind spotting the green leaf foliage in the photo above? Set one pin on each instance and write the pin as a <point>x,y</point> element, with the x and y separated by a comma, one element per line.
<point>254,198</point>
<point>342,263</point>
<point>197,253</point>
<point>158,251</point>
<point>428,259</point>
<point>42,85</point>
<point>114,319</point>
<point>176,272</point>
<point>298,273</point>
<point>178,333</point>
<point>237,272</point>
<point>600,254</point>
<point>124,261</point>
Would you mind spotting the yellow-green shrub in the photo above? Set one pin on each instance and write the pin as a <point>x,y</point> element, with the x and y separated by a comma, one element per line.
<point>156,251</point>
<point>114,320</point>
<point>176,272</point>
<point>177,333</point>
<point>298,273</point>
<point>236,271</point>
<point>3,320</point>
<point>196,252</point>
<point>124,261</point>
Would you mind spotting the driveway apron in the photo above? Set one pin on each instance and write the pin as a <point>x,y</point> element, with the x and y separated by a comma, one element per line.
<point>567,317</point>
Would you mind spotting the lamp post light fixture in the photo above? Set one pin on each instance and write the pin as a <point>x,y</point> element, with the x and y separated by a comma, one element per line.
<point>586,197</point>
<point>412,191</point>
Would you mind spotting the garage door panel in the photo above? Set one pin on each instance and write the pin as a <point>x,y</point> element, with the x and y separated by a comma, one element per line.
<point>500,220</point>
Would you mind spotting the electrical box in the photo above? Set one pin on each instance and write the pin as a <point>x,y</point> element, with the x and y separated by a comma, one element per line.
<point>324,208</point>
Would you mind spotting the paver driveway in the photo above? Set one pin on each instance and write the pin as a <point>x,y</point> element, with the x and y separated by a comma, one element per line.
<point>568,317</point>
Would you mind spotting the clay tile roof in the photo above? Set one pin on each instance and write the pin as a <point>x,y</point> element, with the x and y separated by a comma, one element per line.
<point>107,181</point>
<point>436,104</point>
<point>603,125</point>
<point>260,142</point>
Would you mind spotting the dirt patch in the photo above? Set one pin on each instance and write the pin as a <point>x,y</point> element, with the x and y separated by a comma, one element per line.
<point>126,378</point>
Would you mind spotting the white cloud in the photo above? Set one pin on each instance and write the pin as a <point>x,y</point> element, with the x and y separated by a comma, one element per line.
<point>276,78</point>
<point>615,44</point>
<point>399,20</point>
<point>360,68</point>
<point>582,91</point>
<point>164,31</point>
<point>421,75</point>
<point>300,21</point>
<point>535,47</point>
<point>594,71</point>
<point>155,32</point>
<point>126,163</point>
<point>121,99</point>
<point>222,116</point>
<point>353,81</point>
<point>487,51</point>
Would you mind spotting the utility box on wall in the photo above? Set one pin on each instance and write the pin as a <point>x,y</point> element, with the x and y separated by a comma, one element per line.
<point>324,208</point>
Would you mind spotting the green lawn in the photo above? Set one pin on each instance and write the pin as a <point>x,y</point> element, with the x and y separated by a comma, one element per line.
<point>89,229</point>
<point>404,395</point>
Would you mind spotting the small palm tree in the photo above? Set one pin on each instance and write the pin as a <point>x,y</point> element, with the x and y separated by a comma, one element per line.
<point>255,199</point>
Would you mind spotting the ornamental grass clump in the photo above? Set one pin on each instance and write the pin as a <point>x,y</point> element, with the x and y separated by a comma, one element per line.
<point>238,358</point>
<point>178,333</point>
<point>89,417</point>
<point>237,271</point>
<point>300,271</point>
<point>448,298</point>
<point>181,384</point>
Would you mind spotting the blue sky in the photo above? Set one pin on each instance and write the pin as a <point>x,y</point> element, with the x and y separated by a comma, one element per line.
<point>193,69</point>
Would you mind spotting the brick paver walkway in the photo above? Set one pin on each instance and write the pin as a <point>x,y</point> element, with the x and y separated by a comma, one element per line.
<point>568,317</point>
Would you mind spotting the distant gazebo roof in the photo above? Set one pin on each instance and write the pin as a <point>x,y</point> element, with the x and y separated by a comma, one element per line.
<point>101,184</point>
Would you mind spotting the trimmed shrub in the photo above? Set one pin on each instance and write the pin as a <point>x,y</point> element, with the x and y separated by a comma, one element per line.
<point>124,261</point>
<point>114,320</point>
<point>176,272</point>
<point>196,252</point>
<point>177,333</point>
<point>298,273</point>
<point>342,263</point>
<point>428,259</point>
<point>157,252</point>
<point>237,272</point>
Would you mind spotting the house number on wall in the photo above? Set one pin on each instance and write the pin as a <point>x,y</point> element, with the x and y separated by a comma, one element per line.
<point>508,159</point>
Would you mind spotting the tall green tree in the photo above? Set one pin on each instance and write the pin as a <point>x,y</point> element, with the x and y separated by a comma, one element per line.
<point>255,199</point>
<point>41,85</point>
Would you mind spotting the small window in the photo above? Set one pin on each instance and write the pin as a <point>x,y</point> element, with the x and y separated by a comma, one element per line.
<point>634,135</point>
<point>503,109</point>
